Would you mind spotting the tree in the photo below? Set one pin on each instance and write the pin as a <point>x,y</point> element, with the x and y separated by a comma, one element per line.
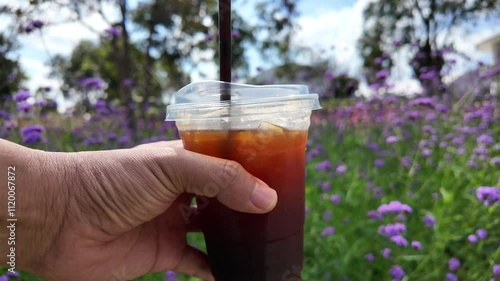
<point>426,24</point>
<point>11,75</point>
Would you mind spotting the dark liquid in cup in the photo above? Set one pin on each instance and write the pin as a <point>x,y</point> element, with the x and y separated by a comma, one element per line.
<point>249,247</point>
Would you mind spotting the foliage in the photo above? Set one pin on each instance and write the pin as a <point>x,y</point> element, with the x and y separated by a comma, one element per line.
<point>425,24</point>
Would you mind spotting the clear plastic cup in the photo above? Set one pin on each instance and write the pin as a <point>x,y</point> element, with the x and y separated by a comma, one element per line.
<point>264,128</point>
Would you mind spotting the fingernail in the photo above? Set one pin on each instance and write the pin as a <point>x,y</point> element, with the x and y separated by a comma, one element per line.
<point>264,197</point>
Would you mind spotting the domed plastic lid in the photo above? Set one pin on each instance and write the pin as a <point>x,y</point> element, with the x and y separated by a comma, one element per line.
<point>201,100</point>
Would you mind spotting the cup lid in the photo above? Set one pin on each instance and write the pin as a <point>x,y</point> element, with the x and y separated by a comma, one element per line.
<point>201,100</point>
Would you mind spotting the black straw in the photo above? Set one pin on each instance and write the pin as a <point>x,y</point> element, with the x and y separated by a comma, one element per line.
<point>225,45</point>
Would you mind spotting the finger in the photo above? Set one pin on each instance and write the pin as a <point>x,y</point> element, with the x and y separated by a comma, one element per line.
<point>226,180</point>
<point>194,262</point>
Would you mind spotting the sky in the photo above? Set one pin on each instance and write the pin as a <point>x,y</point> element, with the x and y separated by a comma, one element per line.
<point>334,26</point>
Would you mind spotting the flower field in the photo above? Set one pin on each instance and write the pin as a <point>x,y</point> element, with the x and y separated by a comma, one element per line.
<point>397,188</point>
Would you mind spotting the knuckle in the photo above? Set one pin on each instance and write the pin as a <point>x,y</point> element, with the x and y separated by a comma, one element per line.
<point>231,172</point>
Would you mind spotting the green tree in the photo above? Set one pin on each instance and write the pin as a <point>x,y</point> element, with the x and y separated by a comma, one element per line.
<point>11,75</point>
<point>425,24</point>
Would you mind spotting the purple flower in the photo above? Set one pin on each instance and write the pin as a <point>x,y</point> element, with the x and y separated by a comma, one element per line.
<point>494,160</point>
<point>12,274</point>
<point>4,115</point>
<point>378,163</point>
<point>4,278</point>
<point>208,37</point>
<point>170,276</point>
<point>488,195</point>
<point>406,161</point>
<point>472,238</point>
<point>454,264</point>
<point>327,215</point>
<point>451,277</point>
<point>114,31</point>
<point>21,95</point>
<point>35,24</point>
<point>391,139</point>
<point>328,75</point>
<point>325,165</point>
<point>399,240</point>
<point>341,169</point>
<point>370,257</point>
<point>485,139</point>
<point>394,207</point>
<point>397,42</point>
<point>429,221</point>
<point>328,231</point>
<point>390,230</point>
<point>31,134</point>
<point>397,272</point>
<point>125,140</point>
<point>382,74</point>
<point>92,83</point>
<point>496,269</point>
<point>235,34</point>
<point>416,245</point>
<point>325,186</point>
<point>386,252</point>
<point>374,215</point>
<point>24,106</point>
<point>128,82</point>
<point>482,233</point>
<point>372,146</point>
<point>335,198</point>
<point>12,76</point>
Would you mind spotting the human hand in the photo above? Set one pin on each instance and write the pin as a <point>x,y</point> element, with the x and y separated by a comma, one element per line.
<point>115,215</point>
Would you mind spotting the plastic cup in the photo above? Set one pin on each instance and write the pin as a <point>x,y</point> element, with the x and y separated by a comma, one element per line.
<point>264,128</point>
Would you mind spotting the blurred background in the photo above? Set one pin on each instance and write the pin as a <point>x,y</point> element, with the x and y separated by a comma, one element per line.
<point>410,114</point>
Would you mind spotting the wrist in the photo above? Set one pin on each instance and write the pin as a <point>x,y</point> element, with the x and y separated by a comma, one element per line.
<point>39,197</point>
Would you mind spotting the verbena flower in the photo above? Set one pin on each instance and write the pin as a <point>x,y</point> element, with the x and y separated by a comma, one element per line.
<point>370,257</point>
<point>472,238</point>
<point>326,186</point>
<point>496,269</point>
<point>12,274</point>
<point>399,240</point>
<point>31,134</point>
<point>394,207</point>
<point>34,24</point>
<point>391,139</point>
<point>323,166</point>
<point>451,277</point>
<point>114,31</point>
<point>4,115</point>
<point>341,169</point>
<point>374,215</point>
<point>485,139</point>
<point>416,245</point>
<point>429,221</point>
<point>397,272</point>
<point>24,106</point>
<point>390,230</point>
<point>488,195</point>
<point>92,83</point>
<point>327,215</point>
<point>4,278</point>
<point>171,276</point>
<point>21,95</point>
<point>335,199</point>
<point>386,252</point>
<point>482,233</point>
<point>454,264</point>
<point>378,163</point>
<point>327,231</point>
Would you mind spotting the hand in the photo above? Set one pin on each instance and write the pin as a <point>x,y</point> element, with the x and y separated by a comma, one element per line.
<point>117,215</point>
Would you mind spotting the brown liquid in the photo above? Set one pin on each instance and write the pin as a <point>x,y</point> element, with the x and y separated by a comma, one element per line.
<point>249,247</point>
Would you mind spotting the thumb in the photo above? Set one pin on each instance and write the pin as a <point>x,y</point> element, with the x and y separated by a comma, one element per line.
<point>223,179</point>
